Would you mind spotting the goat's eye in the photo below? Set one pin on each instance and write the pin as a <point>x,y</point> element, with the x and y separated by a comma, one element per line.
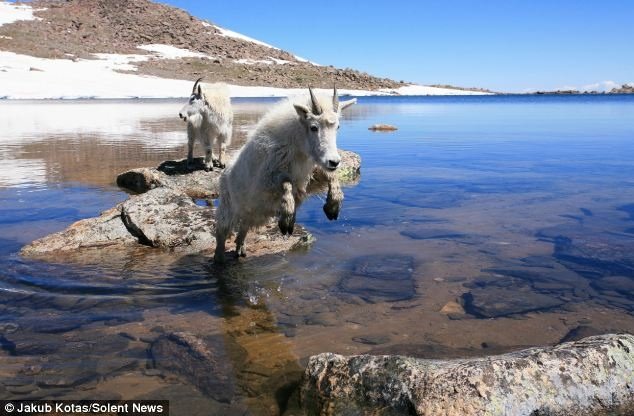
<point>314,128</point>
<point>338,127</point>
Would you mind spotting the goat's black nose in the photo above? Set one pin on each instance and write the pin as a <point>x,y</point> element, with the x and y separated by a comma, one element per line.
<point>332,164</point>
<point>180,115</point>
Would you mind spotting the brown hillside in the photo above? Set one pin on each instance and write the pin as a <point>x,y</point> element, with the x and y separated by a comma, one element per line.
<point>77,28</point>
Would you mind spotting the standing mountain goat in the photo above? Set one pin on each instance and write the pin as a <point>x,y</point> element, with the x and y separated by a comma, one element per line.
<point>209,118</point>
<point>271,172</point>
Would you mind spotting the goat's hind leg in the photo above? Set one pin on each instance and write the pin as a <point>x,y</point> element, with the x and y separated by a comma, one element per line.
<point>241,248</point>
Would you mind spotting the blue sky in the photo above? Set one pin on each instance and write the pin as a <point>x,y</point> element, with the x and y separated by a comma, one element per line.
<point>507,45</point>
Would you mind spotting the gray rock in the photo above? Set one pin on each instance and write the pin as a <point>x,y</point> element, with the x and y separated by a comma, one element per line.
<point>203,362</point>
<point>197,183</point>
<point>104,231</point>
<point>588,377</point>
<point>169,219</point>
<point>160,218</point>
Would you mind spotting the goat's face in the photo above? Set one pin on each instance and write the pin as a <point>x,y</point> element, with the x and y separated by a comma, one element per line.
<point>321,122</point>
<point>194,106</point>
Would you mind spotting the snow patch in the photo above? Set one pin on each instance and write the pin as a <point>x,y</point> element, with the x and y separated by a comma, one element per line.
<point>97,78</point>
<point>236,35</point>
<point>119,62</point>
<point>5,37</point>
<point>172,52</point>
<point>425,90</point>
<point>269,61</point>
<point>10,12</point>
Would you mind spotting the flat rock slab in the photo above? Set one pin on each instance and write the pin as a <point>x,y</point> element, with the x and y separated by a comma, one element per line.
<point>592,376</point>
<point>161,218</point>
<point>197,183</point>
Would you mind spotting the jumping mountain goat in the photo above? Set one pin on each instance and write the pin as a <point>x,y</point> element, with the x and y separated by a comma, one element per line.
<point>209,119</point>
<point>270,174</point>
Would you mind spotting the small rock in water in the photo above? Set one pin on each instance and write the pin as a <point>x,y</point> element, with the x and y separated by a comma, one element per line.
<point>382,127</point>
<point>452,307</point>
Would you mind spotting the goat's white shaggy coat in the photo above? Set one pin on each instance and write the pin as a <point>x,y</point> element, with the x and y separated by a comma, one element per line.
<point>271,172</point>
<point>209,119</point>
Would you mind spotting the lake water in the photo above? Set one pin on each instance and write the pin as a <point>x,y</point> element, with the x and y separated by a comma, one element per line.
<point>483,225</point>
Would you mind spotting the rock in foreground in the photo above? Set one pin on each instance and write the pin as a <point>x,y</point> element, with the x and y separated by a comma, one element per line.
<point>593,376</point>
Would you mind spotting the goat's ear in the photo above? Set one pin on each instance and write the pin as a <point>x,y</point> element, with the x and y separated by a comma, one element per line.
<point>302,110</point>
<point>344,104</point>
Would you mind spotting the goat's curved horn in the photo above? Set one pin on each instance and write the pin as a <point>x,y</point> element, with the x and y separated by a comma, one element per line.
<point>196,84</point>
<point>313,99</point>
<point>335,99</point>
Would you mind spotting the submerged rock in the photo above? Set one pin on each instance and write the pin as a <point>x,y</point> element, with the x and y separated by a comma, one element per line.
<point>494,302</point>
<point>588,377</point>
<point>203,362</point>
<point>197,183</point>
<point>381,278</point>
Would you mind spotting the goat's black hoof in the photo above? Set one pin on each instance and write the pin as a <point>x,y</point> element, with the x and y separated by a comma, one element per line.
<point>287,224</point>
<point>331,211</point>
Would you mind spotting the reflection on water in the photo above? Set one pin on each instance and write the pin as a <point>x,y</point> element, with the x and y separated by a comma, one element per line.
<point>482,225</point>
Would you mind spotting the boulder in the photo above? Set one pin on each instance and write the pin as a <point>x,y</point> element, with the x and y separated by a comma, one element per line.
<point>592,376</point>
<point>197,183</point>
<point>161,218</point>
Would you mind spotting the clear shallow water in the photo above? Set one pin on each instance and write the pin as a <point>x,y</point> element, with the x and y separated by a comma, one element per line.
<point>481,225</point>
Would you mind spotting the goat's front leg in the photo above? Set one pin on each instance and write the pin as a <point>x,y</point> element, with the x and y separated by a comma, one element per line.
<point>191,138</point>
<point>287,209</point>
<point>334,198</point>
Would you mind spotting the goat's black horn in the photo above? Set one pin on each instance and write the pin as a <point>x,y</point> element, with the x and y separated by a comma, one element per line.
<point>196,84</point>
<point>316,107</point>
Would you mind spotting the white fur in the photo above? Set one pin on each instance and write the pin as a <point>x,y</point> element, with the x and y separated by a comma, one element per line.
<point>209,119</point>
<point>271,172</point>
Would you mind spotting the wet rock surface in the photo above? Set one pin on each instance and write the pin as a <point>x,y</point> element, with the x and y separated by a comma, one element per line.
<point>587,377</point>
<point>380,278</point>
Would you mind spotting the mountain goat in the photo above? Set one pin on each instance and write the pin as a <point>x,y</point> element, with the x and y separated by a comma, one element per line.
<point>209,119</point>
<point>270,174</point>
